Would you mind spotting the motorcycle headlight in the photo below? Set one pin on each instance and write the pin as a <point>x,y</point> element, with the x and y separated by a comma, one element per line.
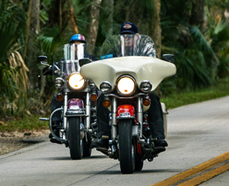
<point>76,81</point>
<point>59,82</point>
<point>126,86</point>
<point>145,86</point>
<point>105,87</point>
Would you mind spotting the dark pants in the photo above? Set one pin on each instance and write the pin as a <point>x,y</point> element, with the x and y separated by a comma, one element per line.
<point>54,105</point>
<point>155,118</point>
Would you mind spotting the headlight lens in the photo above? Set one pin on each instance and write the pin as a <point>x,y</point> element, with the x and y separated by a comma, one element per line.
<point>59,82</point>
<point>105,87</point>
<point>145,86</point>
<point>126,85</point>
<point>76,81</point>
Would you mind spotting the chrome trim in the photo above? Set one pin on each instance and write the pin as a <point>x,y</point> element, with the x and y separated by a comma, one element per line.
<point>44,119</point>
<point>61,82</point>
<point>64,117</point>
<point>145,81</point>
<point>135,130</point>
<point>50,125</point>
<point>130,97</point>
<point>125,117</point>
<point>105,82</point>
<point>140,114</point>
<point>74,113</point>
<point>88,111</point>
<point>113,124</point>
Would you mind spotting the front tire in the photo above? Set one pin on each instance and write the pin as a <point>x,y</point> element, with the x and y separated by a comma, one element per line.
<point>75,143</point>
<point>126,148</point>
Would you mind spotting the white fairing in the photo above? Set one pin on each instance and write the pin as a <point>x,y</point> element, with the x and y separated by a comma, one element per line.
<point>139,67</point>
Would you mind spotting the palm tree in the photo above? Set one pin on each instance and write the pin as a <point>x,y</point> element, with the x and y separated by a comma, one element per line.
<point>185,35</point>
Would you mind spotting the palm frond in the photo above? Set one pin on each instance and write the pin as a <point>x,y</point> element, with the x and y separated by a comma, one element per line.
<point>13,76</point>
<point>46,43</point>
<point>201,41</point>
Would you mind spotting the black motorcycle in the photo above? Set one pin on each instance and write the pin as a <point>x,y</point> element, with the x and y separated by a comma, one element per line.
<point>78,112</point>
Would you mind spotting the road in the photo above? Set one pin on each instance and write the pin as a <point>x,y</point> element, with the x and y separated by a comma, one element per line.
<point>197,133</point>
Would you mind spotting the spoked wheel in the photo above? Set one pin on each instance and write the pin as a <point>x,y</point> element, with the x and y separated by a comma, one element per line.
<point>75,143</point>
<point>126,148</point>
<point>87,146</point>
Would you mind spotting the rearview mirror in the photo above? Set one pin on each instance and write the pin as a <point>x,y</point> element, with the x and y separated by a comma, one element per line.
<point>168,57</point>
<point>84,61</point>
<point>43,60</point>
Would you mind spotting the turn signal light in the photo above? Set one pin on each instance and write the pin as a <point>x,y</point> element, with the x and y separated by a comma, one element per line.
<point>106,103</point>
<point>93,97</point>
<point>60,97</point>
<point>146,102</point>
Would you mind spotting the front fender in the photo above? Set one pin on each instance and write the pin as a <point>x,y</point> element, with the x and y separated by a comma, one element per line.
<point>75,108</point>
<point>75,104</point>
<point>125,112</point>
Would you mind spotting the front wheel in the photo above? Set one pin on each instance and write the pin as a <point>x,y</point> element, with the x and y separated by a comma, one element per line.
<point>126,148</point>
<point>75,143</point>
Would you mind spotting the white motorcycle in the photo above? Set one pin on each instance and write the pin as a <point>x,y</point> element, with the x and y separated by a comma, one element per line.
<point>126,75</point>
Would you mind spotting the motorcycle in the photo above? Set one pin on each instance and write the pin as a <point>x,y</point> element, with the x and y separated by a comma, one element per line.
<point>78,112</point>
<point>126,75</point>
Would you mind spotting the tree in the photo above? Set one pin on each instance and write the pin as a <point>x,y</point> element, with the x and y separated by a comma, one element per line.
<point>156,27</point>
<point>197,13</point>
<point>93,24</point>
<point>32,30</point>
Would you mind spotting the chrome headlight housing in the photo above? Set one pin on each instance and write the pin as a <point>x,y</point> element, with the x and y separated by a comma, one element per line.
<point>105,87</point>
<point>126,85</point>
<point>59,82</point>
<point>76,81</point>
<point>145,86</point>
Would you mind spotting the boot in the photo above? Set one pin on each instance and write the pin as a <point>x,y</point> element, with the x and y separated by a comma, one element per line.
<point>101,144</point>
<point>157,131</point>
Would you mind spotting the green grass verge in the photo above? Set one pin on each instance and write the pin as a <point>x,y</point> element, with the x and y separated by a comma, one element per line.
<point>221,89</point>
<point>31,123</point>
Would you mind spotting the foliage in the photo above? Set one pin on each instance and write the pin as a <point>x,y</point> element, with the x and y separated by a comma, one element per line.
<point>198,54</point>
<point>13,71</point>
<point>23,124</point>
<point>201,51</point>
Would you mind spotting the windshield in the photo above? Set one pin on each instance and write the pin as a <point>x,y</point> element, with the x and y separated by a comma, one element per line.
<point>128,45</point>
<point>66,59</point>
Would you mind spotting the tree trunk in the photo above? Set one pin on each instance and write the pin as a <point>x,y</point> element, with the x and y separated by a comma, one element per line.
<point>108,5</point>
<point>73,20</point>
<point>156,28</point>
<point>197,13</point>
<point>92,29</point>
<point>33,28</point>
<point>156,33</point>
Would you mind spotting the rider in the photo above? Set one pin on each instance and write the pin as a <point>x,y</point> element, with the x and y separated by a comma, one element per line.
<point>155,115</point>
<point>75,39</point>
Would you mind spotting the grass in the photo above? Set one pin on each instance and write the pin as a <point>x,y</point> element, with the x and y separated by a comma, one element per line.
<point>33,123</point>
<point>220,89</point>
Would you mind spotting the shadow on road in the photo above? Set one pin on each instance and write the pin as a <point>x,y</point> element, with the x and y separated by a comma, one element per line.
<point>64,158</point>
